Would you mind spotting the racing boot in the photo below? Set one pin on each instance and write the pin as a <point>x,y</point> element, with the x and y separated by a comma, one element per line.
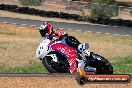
<point>83,48</point>
<point>80,67</point>
<point>89,70</point>
<point>83,69</point>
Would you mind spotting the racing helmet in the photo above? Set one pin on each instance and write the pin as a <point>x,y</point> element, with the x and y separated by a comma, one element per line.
<point>45,28</point>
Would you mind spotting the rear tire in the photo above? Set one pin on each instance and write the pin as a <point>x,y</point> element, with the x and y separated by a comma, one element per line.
<point>105,68</point>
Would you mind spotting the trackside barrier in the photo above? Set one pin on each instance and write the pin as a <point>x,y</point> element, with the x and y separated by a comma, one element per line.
<point>53,14</point>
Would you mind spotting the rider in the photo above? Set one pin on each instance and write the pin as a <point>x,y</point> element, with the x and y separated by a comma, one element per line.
<point>46,30</point>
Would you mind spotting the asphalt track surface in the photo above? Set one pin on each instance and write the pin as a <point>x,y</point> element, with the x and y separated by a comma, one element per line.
<point>54,81</point>
<point>127,31</point>
<point>51,80</point>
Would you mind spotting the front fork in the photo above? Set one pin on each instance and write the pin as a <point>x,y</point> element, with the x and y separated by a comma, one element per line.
<point>54,57</point>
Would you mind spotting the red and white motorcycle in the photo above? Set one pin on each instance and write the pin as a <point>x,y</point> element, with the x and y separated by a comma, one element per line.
<point>58,57</point>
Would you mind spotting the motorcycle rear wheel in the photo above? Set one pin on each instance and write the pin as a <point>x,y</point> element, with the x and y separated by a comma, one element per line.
<point>103,66</point>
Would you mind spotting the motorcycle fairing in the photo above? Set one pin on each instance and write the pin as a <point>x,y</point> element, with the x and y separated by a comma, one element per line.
<point>43,49</point>
<point>69,52</point>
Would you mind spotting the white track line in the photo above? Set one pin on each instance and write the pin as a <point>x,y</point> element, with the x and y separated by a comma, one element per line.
<point>88,31</point>
<point>71,29</point>
<point>107,33</point>
<point>116,34</point>
<point>125,35</point>
<point>24,24</point>
<point>78,30</point>
<point>33,25</point>
<point>5,22</point>
<point>98,32</point>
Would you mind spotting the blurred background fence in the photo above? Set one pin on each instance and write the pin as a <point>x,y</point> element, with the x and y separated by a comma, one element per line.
<point>120,11</point>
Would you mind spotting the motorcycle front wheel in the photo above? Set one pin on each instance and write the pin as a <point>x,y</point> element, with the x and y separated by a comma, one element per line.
<point>61,66</point>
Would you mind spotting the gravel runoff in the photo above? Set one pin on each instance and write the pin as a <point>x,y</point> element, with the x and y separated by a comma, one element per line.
<point>51,82</point>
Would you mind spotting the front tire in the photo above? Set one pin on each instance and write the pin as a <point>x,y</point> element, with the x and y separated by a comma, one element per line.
<point>55,67</point>
<point>45,62</point>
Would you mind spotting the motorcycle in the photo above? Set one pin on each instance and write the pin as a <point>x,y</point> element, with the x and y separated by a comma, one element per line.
<point>58,57</point>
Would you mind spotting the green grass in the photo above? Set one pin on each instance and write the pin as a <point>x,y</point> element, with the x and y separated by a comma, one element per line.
<point>123,65</point>
<point>120,65</point>
<point>32,67</point>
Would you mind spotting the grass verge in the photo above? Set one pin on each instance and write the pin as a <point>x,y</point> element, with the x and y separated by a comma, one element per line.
<point>18,45</point>
<point>123,65</point>
<point>32,67</point>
